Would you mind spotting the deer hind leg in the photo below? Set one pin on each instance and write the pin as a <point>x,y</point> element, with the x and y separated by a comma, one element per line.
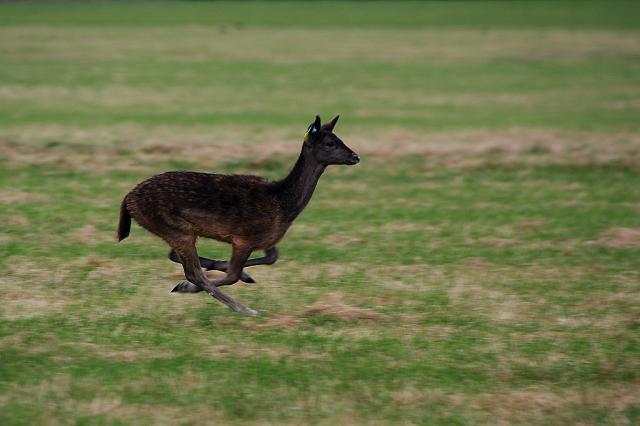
<point>209,265</point>
<point>270,257</point>
<point>186,250</point>
<point>184,286</point>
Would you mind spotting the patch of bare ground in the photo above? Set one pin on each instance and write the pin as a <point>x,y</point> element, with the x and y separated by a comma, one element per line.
<point>620,238</point>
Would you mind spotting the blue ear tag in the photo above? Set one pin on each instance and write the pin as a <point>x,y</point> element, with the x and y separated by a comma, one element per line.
<point>312,130</point>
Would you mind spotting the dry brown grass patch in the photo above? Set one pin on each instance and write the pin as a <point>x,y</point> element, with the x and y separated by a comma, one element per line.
<point>158,414</point>
<point>452,149</point>
<point>20,197</point>
<point>332,305</point>
<point>477,263</point>
<point>126,355</point>
<point>488,291</point>
<point>414,278</point>
<point>537,401</point>
<point>495,242</point>
<point>341,240</point>
<point>26,289</point>
<point>276,322</point>
<point>254,350</point>
<point>90,235</point>
<point>508,147</point>
<point>620,238</point>
<point>410,396</point>
<point>16,220</point>
<point>366,45</point>
<point>144,156</point>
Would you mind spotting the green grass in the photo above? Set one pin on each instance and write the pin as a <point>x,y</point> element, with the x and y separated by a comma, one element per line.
<point>374,14</point>
<point>479,266</point>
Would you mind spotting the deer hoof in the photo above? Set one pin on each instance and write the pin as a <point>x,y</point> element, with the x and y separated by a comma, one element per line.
<point>245,310</point>
<point>186,287</point>
<point>247,278</point>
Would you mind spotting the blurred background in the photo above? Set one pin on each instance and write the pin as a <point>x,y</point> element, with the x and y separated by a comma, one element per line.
<point>479,266</point>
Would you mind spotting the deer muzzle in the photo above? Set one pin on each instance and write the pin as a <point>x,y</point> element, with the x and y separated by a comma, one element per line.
<point>355,159</point>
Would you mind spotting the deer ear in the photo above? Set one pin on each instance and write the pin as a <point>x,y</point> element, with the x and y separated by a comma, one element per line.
<point>313,129</point>
<point>330,125</point>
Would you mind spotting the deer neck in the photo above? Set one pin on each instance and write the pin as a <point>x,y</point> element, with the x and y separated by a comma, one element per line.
<point>297,188</point>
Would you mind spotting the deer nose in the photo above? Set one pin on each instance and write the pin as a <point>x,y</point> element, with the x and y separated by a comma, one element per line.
<point>355,157</point>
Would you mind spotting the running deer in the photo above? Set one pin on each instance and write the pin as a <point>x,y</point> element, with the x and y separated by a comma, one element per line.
<point>248,212</point>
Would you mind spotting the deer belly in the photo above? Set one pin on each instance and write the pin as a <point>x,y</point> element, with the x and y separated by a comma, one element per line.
<point>257,234</point>
<point>218,232</point>
<point>267,239</point>
<point>259,239</point>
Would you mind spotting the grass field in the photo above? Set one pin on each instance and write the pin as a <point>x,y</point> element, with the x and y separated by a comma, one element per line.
<point>481,265</point>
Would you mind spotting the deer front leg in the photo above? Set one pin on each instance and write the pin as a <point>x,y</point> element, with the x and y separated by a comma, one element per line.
<point>193,272</point>
<point>209,265</point>
<point>234,267</point>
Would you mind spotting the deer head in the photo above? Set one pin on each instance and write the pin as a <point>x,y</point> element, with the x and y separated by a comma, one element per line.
<point>327,148</point>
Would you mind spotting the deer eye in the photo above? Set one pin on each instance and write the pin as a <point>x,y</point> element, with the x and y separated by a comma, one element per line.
<point>329,144</point>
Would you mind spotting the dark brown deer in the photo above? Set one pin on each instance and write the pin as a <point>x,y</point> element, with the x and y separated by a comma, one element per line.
<point>248,212</point>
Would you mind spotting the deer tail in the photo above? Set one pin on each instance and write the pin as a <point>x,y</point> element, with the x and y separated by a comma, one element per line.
<point>124,226</point>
